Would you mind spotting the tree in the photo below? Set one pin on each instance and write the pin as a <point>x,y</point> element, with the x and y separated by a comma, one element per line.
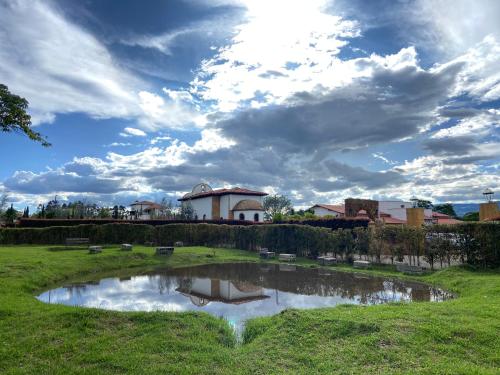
<point>3,203</point>
<point>187,210</point>
<point>446,209</point>
<point>471,216</point>
<point>276,206</point>
<point>14,118</point>
<point>10,215</point>
<point>421,203</point>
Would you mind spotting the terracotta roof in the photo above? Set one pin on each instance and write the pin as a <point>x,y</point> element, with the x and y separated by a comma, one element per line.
<point>248,204</point>
<point>494,218</point>
<point>440,215</point>
<point>392,220</point>
<point>339,208</point>
<point>236,190</point>
<point>448,220</point>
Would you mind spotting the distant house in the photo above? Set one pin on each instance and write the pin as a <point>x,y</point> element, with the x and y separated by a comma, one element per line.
<point>227,204</point>
<point>390,212</point>
<point>439,218</point>
<point>322,210</point>
<point>144,210</point>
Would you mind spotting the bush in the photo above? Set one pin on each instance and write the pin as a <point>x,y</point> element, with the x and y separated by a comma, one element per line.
<point>477,244</point>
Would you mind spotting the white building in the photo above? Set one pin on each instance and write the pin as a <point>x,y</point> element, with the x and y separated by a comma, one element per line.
<point>227,204</point>
<point>391,212</point>
<point>202,291</point>
<point>144,210</point>
<point>335,210</point>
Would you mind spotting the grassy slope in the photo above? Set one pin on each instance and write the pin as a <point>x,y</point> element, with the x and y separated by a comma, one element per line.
<point>457,336</point>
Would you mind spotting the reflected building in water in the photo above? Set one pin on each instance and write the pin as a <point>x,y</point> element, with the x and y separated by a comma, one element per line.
<point>201,291</point>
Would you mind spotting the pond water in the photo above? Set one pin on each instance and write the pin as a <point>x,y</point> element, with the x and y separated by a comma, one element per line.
<point>239,291</point>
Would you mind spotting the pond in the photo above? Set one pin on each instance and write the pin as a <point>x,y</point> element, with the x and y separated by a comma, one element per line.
<point>239,291</point>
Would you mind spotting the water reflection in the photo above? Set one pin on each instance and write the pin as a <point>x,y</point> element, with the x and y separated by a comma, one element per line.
<point>239,291</point>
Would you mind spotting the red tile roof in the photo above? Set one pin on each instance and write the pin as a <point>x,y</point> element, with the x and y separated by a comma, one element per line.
<point>448,220</point>
<point>339,208</point>
<point>440,215</point>
<point>392,220</point>
<point>218,192</point>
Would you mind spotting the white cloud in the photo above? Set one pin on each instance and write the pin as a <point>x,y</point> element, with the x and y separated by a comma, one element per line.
<point>59,67</point>
<point>282,48</point>
<point>133,132</point>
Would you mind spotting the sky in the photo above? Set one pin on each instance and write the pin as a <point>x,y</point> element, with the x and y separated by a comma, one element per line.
<point>315,99</point>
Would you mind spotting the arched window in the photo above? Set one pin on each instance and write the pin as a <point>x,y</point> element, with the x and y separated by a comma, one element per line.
<point>242,216</point>
<point>256,217</point>
<point>204,217</point>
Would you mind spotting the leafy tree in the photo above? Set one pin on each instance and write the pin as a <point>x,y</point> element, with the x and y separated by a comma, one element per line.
<point>10,215</point>
<point>104,213</point>
<point>14,118</point>
<point>276,204</point>
<point>446,209</point>
<point>471,216</point>
<point>421,203</point>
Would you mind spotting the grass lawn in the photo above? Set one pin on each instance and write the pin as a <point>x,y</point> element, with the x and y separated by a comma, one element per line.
<point>459,336</point>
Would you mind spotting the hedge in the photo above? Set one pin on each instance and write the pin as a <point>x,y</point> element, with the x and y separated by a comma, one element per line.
<point>473,243</point>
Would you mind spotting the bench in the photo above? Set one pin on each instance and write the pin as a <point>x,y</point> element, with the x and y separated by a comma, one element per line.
<point>267,254</point>
<point>179,244</point>
<point>126,247</point>
<point>76,241</point>
<point>327,260</point>
<point>406,268</point>
<point>362,264</point>
<point>287,257</point>
<point>95,249</point>
<point>164,250</point>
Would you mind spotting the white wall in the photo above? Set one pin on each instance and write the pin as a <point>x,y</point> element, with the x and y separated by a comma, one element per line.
<point>249,215</point>
<point>202,206</point>
<point>201,286</point>
<point>320,211</point>
<point>394,209</point>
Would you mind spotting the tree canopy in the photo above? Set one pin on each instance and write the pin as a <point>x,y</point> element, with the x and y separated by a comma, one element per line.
<point>446,208</point>
<point>14,118</point>
<point>277,205</point>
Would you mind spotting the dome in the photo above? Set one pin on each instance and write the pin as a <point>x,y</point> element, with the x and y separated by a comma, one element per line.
<point>248,205</point>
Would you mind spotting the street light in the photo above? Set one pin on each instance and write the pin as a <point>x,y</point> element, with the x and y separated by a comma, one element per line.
<point>414,200</point>
<point>488,194</point>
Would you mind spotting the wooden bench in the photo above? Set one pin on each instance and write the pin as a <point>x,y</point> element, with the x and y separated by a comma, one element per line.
<point>95,249</point>
<point>76,241</point>
<point>287,257</point>
<point>327,261</point>
<point>362,264</point>
<point>179,244</point>
<point>127,247</point>
<point>164,250</point>
<point>406,268</point>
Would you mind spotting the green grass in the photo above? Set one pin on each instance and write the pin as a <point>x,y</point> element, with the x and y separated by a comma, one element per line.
<point>459,336</point>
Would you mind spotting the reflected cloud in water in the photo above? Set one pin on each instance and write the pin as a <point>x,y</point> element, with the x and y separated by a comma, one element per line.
<point>239,291</point>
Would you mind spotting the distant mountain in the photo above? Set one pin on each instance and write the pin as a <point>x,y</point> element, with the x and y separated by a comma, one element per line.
<point>462,208</point>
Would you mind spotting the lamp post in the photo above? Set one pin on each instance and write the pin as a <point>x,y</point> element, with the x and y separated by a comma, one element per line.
<point>414,201</point>
<point>488,194</point>
<point>488,209</point>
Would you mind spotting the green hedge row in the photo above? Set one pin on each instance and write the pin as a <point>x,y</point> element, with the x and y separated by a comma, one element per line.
<point>299,239</point>
<point>473,243</point>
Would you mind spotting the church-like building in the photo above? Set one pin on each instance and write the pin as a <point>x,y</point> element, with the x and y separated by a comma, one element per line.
<point>228,204</point>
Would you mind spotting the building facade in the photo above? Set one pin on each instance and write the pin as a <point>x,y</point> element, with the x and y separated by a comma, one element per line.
<point>225,204</point>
